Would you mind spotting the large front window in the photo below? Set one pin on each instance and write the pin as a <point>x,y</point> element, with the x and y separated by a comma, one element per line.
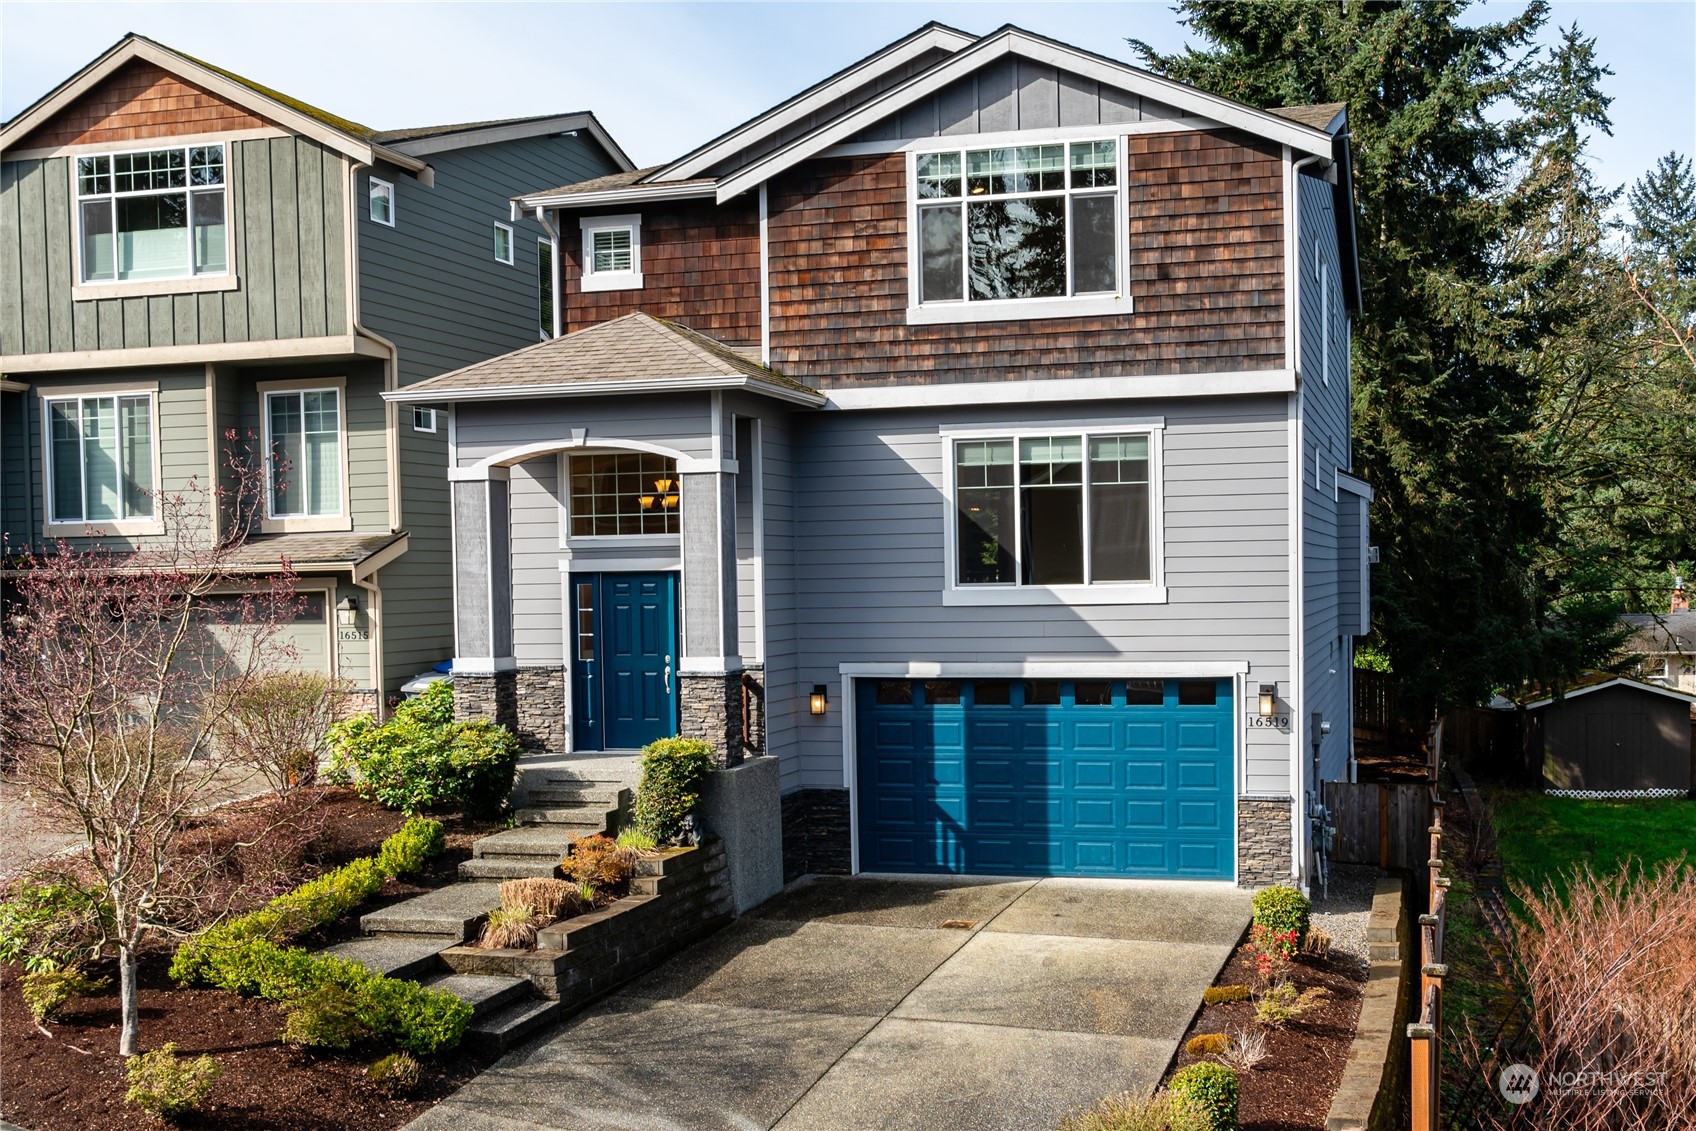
<point>624,493</point>
<point>305,437</point>
<point>1018,222</point>
<point>1053,510</point>
<point>155,214</point>
<point>100,467</point>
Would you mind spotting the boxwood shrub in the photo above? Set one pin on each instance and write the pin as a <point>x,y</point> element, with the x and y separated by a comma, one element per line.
<point>1210,1089</point>
<point>672,772</point>
<point>1282,908</point>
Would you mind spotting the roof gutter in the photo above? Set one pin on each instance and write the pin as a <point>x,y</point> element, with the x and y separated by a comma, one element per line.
<point>635,194</point>
<point>607,388</point>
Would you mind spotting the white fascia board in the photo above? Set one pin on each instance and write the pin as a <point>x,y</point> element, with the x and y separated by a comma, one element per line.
<point>1015,42</point>
<point>1050,669</point>
<point>1165,386</point>
<point>634,194</point>
<point>1635,685</point>
<point>606,388</point>
<point>1354,485</point>
<point>693,164</point>
<point>517,131</point>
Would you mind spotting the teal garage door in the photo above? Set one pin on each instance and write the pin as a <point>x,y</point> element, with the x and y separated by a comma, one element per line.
<point>1046,777</point>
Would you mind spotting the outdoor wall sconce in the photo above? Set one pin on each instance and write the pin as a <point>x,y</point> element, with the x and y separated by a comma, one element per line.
<point>1268,700</point>
<point>817,701</point>
<point>347,611</point>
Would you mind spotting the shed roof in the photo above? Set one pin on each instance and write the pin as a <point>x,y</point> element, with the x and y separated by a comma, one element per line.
<point>1596,681</point>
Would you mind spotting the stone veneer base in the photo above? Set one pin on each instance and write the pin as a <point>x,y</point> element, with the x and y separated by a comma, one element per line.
<point>1263,841</point>
<point>815,833</point>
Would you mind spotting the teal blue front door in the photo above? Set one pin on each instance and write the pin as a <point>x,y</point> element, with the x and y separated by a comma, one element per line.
<point>1042,777</point>
<point>624,659</point>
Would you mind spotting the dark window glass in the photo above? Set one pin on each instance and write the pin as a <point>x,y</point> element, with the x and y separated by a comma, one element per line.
<point>992,693</point>
<point>894,692</point>
<point>942,692</point>
<point>1093,240</point>
<point>1017,248</point>
<point>939,254</point>
<point>585,620</point>
<point>1042,693</point>
<point>1144,692</point>
<point>983,471</point>
<point>1119,508</point>
<point>1051,495</point>
<point>545,288</point>
<point>627,493</point>
<point>1092,693</point>
<point>1197,692</point>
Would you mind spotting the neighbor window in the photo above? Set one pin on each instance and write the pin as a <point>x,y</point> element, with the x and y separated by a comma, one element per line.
<point>304,435</point>
<point>100,466</point>
<point>1018,222</point>
<point>612,252</point>
<point>503,244</point>
<point>154,214</point>
<point>545,288</point>
<point>1053,510</point>
<point>382,202</point>
<point>625,493</point>
<point>423,418</point>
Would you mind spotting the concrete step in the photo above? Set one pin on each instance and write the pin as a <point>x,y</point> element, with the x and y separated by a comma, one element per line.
<point>452,912</point>
<point>509,1025</point>
<point>509,868</point>
<point>530,842</point>
<point>398,956</point>
<point>587,819</point>
<point>576,794</point>
<point>484,993</point>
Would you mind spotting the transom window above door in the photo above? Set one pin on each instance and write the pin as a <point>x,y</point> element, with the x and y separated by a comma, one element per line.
<point>624,493</point>
<point>152,214</point>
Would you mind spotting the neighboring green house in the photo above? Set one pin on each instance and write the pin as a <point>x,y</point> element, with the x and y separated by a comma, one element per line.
<point>185,254</point>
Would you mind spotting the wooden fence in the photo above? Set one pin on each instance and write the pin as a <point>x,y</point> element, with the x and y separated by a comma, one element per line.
<point>1425,1035</point>
<point>1380,824</point>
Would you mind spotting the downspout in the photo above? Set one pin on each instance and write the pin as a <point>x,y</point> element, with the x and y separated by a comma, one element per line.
<point>553,238</point>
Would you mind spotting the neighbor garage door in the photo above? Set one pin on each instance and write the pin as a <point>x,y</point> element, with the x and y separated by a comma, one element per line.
<point>1046,777</point>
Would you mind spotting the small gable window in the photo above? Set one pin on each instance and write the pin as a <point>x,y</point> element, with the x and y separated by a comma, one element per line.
<point>612,253</point>
<point>503,244</point>
<point>154,214</point>
<point>382,202</point>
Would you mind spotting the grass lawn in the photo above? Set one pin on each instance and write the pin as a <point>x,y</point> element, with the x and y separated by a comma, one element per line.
<point>1538,836</point>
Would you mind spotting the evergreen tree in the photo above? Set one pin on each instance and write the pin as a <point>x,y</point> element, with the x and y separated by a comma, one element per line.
<point>1663,205</point>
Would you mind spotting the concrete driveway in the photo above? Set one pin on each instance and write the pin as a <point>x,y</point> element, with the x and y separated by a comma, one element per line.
<point>880,1002</point>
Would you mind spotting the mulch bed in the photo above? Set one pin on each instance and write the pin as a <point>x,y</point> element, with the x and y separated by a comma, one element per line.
<point>51,1086</point>
<point>1291,1089</point>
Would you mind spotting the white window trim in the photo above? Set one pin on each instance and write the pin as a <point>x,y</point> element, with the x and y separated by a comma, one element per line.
<point>1001,310</point>
<point>393,210</point>
<point>1150,592</point>
<point>270,524</point>
<point>511,248</point>
<point>154,524</point>
<point>590,280</point>
<point>418,408</point>
<point>225,280</point>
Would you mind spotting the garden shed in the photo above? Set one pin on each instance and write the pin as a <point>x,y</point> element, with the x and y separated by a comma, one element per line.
<point>1612,736</point>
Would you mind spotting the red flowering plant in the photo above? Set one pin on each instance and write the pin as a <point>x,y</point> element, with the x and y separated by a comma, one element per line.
<point>1271,952</point>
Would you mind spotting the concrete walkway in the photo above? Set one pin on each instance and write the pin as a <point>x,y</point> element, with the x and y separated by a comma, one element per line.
<point>880,1002</point>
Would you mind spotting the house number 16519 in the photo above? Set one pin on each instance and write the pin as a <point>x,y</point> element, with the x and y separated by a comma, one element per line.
<point>1269,722</point>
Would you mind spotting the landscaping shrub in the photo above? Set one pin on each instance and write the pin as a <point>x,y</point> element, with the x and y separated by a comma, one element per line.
<point>1271,952</point>
<point>550,899</point>
<point>412,845</point>
<point>509,928</point>
<point>49,921</point>
<point>47,991</point>
<point>422,756</point>
<point>1281,1003</point>
<point>1207,1044</point>
<point>672,772</point>
<point>278,725</point>
<point>1213,995</point>
<point>636,840</point>
<point>586,895</point>
<point>166,1085</point>
<point>1210,1089</point>
<point>395,1075</point>
<point>598,860</point>
<point>1163,1111</point>
<point>326,1018</point>
<point>1282,908</point>
<point>1317,943</point>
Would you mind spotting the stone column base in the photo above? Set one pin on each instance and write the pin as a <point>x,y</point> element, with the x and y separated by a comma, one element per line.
<point>710,707</point>
<point>815,833</point>
<point>541,710</point>
<point>1263,841</point>
<point>487,697</point>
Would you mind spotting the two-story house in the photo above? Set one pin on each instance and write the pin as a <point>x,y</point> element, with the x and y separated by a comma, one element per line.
<point>185,254</point>
<point>981,413</point>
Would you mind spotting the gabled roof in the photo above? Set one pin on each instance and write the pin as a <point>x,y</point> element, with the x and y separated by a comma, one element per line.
<point>1662,632</point>
<point>1325,116</point>
<point>424,140</point>
<point>1596,681</point>
<point>633,354</point>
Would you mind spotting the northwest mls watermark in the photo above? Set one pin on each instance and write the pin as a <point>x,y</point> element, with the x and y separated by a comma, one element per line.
<point>1520,1083</point>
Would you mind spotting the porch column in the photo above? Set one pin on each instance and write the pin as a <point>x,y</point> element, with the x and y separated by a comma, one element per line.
<point>484,667</point>
<point>710,669</point>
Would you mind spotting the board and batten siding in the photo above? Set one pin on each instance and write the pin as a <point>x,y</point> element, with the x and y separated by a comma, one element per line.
<point>284,203</point>
<point>869,559</point>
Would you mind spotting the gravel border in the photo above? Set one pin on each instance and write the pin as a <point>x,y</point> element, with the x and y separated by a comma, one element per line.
<point>1347,912</point>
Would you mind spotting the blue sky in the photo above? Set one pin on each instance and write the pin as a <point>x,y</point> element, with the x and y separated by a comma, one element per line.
<point>665,77</point>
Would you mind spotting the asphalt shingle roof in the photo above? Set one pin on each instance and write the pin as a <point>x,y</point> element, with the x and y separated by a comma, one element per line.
<point>311,549</point>
<point>1665,632</point>
<point>1319,115</point>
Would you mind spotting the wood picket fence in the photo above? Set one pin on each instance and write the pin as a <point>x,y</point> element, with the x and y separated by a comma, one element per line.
<point>1425,1034</point>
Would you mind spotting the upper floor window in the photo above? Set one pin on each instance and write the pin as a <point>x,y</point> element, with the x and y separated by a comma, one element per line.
<point>624,493</point>
<point>100,458</point>
<point>423,418</point>
<point>503,244</point>
<point>383,202</point>
<point>612,253</point>
<point>152,214</point>
<point>1017,222</point>
<point>303,433</point>
<point>1054,510</point>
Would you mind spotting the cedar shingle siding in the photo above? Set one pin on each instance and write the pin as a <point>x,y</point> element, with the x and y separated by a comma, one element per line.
<point>139,101</point>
